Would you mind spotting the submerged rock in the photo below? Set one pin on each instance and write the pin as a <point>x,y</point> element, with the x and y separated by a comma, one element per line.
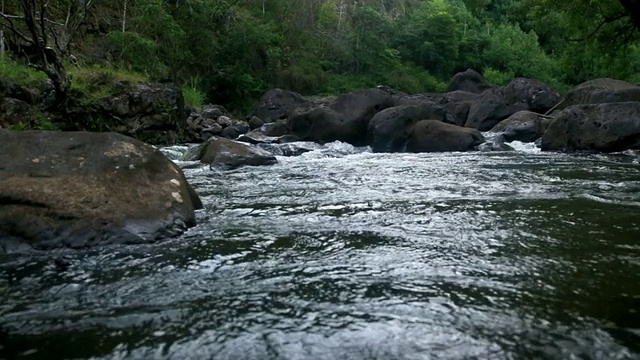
<point>78,189</point>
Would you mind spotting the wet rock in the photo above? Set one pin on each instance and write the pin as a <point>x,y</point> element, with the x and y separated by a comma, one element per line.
<point>290,149</point>
<point>497,143</point>
<point>437,136</point>
<point>79,189</point>
<point>258,136</point>
<point>232,154</point>
<point>606,127</point>
<point>525,126</point>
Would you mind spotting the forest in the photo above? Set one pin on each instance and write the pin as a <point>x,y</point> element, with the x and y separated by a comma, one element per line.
<point>230,52</point>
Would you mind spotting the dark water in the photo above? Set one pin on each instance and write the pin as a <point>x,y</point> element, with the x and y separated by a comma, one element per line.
<point>344,254</point>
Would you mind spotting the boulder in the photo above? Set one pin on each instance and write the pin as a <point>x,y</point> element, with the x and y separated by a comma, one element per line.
<point>11,89</point>
<point>359,107</point>
<point>213,130</point>
<point>290,149</point>
<point>491,108</point>
<point>232,154</point>
<point>346,119</point>
<point>469,81</point>
<point>525,126</point>
<point>258,137</point>
<point>255,122</point>
<point>224,121</point>
<point>457,104</point>
<point>322,125</point>
<point>433,102</point>
<point>152,112</point>
<point>608,127</point>
<point>14,112</point>
<point>537,96</point>
<point>78,189</point>
<point>389,129</point>
<point>278,104</point>
<point>437,136</point>
<point>211,111</point>
<point>496,143</point>
<point>278,128</point>
<point>599,91</point>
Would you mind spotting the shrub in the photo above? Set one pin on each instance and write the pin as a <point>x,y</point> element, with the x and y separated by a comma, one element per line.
<point>192,94</point>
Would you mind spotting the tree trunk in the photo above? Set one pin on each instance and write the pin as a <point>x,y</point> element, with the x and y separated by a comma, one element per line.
<point>50,61</point>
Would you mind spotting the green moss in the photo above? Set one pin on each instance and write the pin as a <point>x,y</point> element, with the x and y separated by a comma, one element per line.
<point>90,84</point>
<point>21,74</point>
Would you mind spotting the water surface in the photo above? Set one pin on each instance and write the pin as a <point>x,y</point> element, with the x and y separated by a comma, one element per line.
<point>345,254</point>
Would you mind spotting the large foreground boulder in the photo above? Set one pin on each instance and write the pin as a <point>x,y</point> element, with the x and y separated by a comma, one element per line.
<point>436,136</point>
<point>599,91</point>
<point>76,189</point>
<point>606,127</point>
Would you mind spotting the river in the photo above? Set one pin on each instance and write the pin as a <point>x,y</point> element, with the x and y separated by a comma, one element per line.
<point>341,253</point>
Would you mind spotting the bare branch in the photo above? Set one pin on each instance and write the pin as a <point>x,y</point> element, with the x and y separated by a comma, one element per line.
<point>604,22</point>
<point>11,27</point>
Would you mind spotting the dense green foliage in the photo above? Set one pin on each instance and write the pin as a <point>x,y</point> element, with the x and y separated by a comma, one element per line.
<point>230,52</point>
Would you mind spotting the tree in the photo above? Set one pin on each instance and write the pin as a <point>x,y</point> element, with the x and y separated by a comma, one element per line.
<point>38,35</point>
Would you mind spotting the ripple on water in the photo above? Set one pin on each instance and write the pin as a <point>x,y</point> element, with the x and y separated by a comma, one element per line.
<point>345,254</point>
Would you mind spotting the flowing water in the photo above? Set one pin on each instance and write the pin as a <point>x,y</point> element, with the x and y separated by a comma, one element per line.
<point>344,254</point>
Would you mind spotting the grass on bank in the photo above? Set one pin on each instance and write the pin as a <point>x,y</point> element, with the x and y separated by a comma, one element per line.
<point>21,74</point>
<point>193,96</point>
